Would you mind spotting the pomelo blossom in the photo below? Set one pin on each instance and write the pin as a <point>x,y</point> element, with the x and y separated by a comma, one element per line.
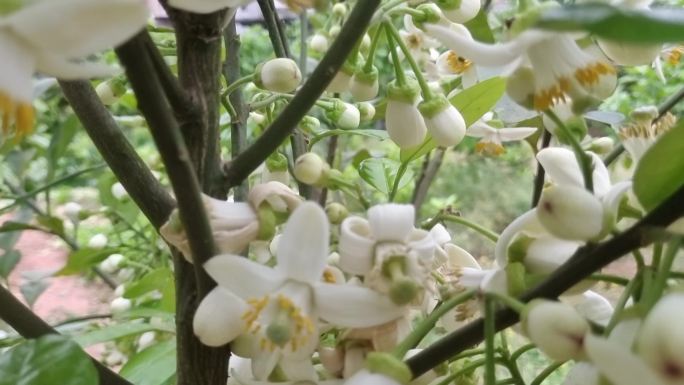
<point>559,66</point>
<point>54,38</point>
<point>235,224</point>
<point>449,63</point>
<point>405,124</point>
<point>492,138</point>
<point>557,329</point>
<point>643,130</point>
<point>388,251</point>
<point>278,308</point>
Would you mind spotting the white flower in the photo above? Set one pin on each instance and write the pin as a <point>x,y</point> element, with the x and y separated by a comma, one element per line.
<point>53,38</point>
<point>97,241</point>
<point>404,122</point>
<point>120,305</point>
<point>365,377</point>
<point>492,138</point>
<point>560,67</point>
<point>556,328</point>
<point>449,63</point>
<point>207,6</point>
<point>278,75</point>
<point>280,306</point>
<point>571,213</point>
<point>393,256</point>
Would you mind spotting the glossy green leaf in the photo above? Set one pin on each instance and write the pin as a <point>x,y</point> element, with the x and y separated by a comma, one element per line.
<point>377,134</point>
<point>162,280</point>
<point>83,259</point>
<point>51,359</point>
<point>8,261</point>
<point>54,224</point>
<point>33,286</point>
<point>660,171</point>
<point>479,28</point>
<point>380,173</point>
<point>153,366</point>
<point>659,25</point>
<point>115,331</point>
<point>473,103</point>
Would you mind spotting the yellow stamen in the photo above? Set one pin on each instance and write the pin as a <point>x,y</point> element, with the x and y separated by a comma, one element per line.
<point>457,64</point>
<point>328,276</point>
<point>544,99</point>
<point>489,148</point>
<point>590,75</point>
<point>25,120</point>
<point>19,113</point>
<point>675,55</point>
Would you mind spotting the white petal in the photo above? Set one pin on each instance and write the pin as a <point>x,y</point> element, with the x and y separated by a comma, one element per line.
<point>480,53</point>
<point>76,28</point>
<point>18,65</point>
<point>582,374</point>
<point>225,215</point>
<point>243,277</point>
<point>218,319</point>
<point>618,364</point>
<point>356,246</point>
<point>546,254</point>
<point>611,200</point>
<point>391,221</point>
<point>296,370</point>
<point>480,129</point>
<point>496,281</point>
<point>421,243</point>
<point>405,124</point>
<point>561,166</point>
<point>525,222</point>
<point>600,177</point>
<point>264,363</point>
<point>459,257</point>
<point>364,377</point>
<point>206,6</point>
<point>235,241</point>
<point>594,307</point>
<point>509,134</point>
<point>440,234</point>
<point>62,68</point>
<point>303,247</point>
<point>353,306</point>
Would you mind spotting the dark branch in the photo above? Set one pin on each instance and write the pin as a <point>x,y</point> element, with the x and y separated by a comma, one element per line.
<point>240,168</point>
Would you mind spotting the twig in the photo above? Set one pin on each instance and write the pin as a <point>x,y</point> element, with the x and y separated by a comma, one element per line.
<point>330,159</point>
<point>585,262</point>
<point>427,176</point>
<point>279,41</point>
<point>285,123</point>
<point>145,190</point>
<point>539,178</point>
<point>179,101</point>
<point>29,325</point>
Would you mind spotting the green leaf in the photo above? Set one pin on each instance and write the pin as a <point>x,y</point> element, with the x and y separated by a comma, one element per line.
<point>10,226</point>
<point>377,134</point>
<point>83,259</point>
<point>472,103</point>
<point>33,287</point>
<point>380,173</point>
<point>152,366</point>
<point>116,331</point>
<point>658,25</point>
<point>8,261</point>
<point>162,280</point>
<point>479,28</point>
<point>660,171</point>
<point>54,224</point>
<point>51,359</point>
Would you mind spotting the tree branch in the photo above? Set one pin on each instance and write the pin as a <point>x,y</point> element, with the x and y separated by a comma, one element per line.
<point>29,325</point>
<point>274,28</point>
<point>179,101</point>
<point>586,261</point>
<point>427,175</point>
<point>145,190</point>
<point>240,168</point>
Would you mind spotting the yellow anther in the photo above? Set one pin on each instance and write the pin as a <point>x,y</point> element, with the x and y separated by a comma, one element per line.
<point>328,276</point>
<point>675,55</point>
<point>544,99</point>
<point>19,113</point>
<point>590,75</point>
<point>24,120</point>
<point>457,64</point>
<point>490,148</point>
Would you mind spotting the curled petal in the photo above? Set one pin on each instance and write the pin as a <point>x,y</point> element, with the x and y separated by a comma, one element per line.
<point>353,306</point>
<point>303,247</point>
<point>617,364</point>
<point>391,221</point>
<point>527,222</point>
<point>243,277</point>
<point>279,196</point>
<point>234,241</point>
<point>356,246</point>
<point>60,67</point>
<point>510,134</point>
<point>561,166</point>
<point>218,319</point>
<point>440,234</point>
<point>459,257</point>
<point>421,243</point>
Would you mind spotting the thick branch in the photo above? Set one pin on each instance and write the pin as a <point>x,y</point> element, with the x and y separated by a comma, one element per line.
<point>240,168</point>
<point>29,325</point>
<point>275,30</point>
<point>179,101</point>
<point>586,261</point>
<point>145,190</point>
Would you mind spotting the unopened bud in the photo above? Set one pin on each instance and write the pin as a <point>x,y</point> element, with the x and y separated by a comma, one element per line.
<point>364,85</point>
<point>111,263</point>
<point>336,212</point>
<point>309,124</point>
<point>72,210</point>
<point>602,145</point>
<point>459,11</point>
<point>278,75</point>
<point>556,328</point>
<point>443,121</point>
<point>570,212</point>
<point>118,191</point>
<point>319,43</point>
<point>339,9</point>
<point>345,116</point>
<point>97,241</point>
<point>120,305</point>
<point>309,168</point>
<point>629,54</point>
<point>367,111</point>
<point>520,86</point>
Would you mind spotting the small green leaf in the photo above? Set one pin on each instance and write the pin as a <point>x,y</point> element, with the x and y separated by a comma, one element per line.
<point>51,359</point>
<point>152,366</point>
<point>658,25</point>
<point>113,332</point>
<point>660,171</point>
<point>83,259</point>
<point>54,224</point>
<point>161,280</point>
<point>479,28</point>
<point>33,286</point>
<point>377,134</point>
<point>472,103</point>
<point>380,173</point>
<point>8,261</point>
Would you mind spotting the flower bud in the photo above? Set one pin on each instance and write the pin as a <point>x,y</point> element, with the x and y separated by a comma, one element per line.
<point>336,212</point>
<point>118,191</point>
<point>319,43</point>
<point>602,145</point>
<point>98,241</point>
<point>309,168</point>
<point>629,54</point>
<point>459,11</point>
<point>364,85</point>
<point>405,124</point>
<point>111,263</point>
<point>556,328</point>
<point>309,124</point>
<point>341,81</point>
<point>570,212</point>
<point>367,111</point>
<point>443,121</point>
<point>110,91</point>
<point>120,305</point>
<point>72,210</point>
<point>344,115</point>
<point>520,87</point>
<point>334,31</point>
<point>339,9</point>
<point>384,368</point>
<point>278,75</point>
<point>661,341</point>
<point>145,340</point>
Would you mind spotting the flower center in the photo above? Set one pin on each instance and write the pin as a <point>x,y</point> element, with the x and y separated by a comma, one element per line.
<point>328,276</point>
<point>489,148</point>
<point>288,325</point>
<point>590,74</point>
<point>675,55</point>
<point>19,113</point>
<point>457,64</point>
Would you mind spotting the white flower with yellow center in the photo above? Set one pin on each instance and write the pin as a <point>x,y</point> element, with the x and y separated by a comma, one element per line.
<point>53,38</point>
<point>450,63</point>
<point>492,138</point>
<point>561,68</point>
<point>393,256</point>
<point>279,307</point>
<point>640,134</point>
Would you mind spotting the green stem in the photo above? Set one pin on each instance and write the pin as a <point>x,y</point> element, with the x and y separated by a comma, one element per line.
<point>622,301</point>
<point>237,84</point>
<point>464,370</point>
<point>521,350</point>
<point>397,179</point>
<point>375,41</point>
<point>584,160</point>
<point>622,281</point>
<point>398,71</point>
<point>490,348</point>
<point>662,274</point>
<point>511,302</point>
<point>489,234</point>
<point>546,372</point>
<point>427,92</point>
<point>426,325</point>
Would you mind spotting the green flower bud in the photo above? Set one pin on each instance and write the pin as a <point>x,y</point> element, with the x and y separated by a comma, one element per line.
<point>276,162</point>
<point>336,212</point>
<point>388,365</point>
<point>278,75</point>
<point>309,168</point>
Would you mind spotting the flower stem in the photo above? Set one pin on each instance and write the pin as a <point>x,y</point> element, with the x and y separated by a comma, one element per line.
<point>509,301</point>
<point>375,41</point>
<point>426,325</point>
<point>397,179</point>
<point>584,161</point>
<point>427,92</point>
<point>490,348</point>
<point>398,71</point>
<point>489,234</point>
